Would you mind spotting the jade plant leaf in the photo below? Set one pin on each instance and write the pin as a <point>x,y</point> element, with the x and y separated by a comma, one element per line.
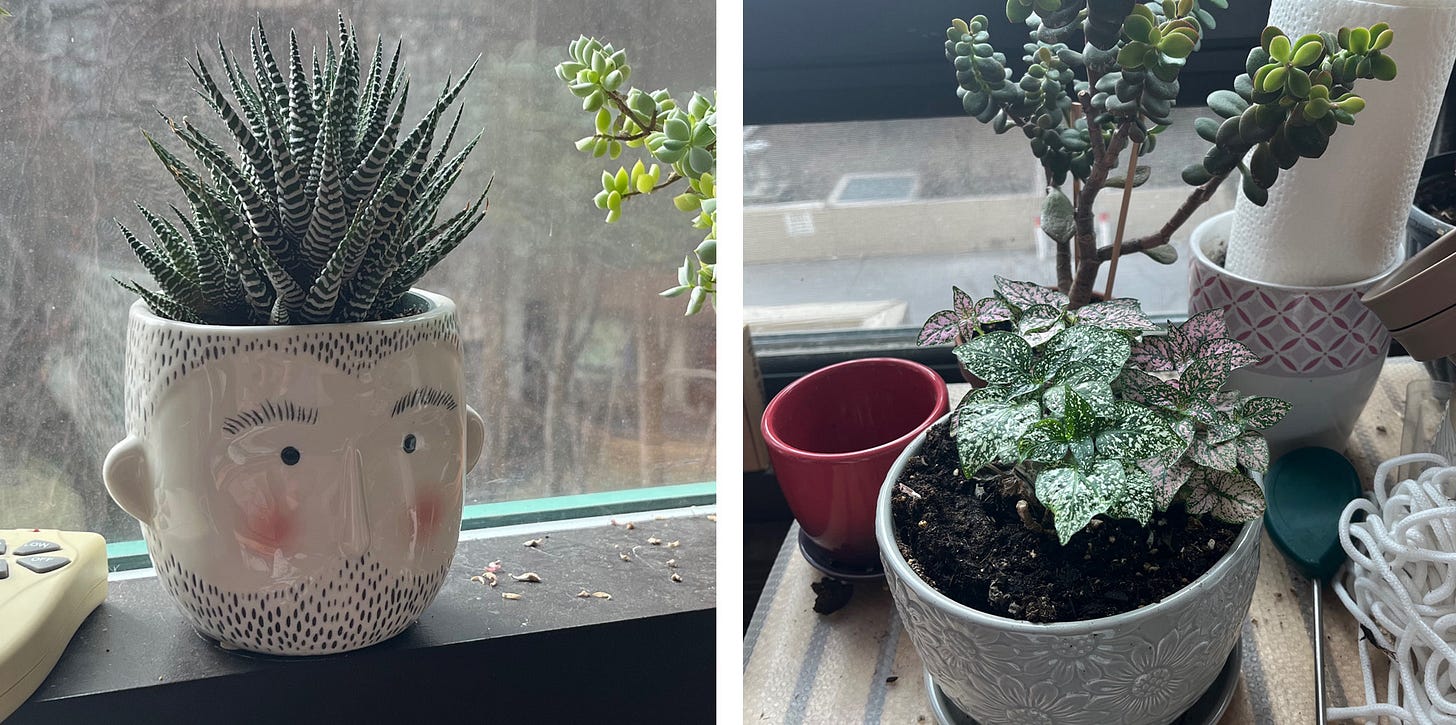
<point>1056,216</point>
<point>1001,358</point>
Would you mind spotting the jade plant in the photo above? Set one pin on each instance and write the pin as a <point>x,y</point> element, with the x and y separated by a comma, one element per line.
<point>1101,411</point>
<point>326,214</point>
<point>679,141</point>
<point>1081,109</point>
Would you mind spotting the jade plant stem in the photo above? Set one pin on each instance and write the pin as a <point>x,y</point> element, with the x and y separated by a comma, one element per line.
<point>1089,256</point>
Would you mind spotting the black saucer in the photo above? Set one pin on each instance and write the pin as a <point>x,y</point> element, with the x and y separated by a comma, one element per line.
<point>1206,711</point>
<point>821,560</point>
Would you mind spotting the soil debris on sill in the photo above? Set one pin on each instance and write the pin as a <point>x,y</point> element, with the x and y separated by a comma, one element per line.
<point>536,543</point>
<point>510,595</point>
<point>891,679</point>
<point>676,577</point>
<point>980,551</point>
<point>623,556</point>
<point>529,576</point>
<point>831,595</point>
<point>584,594</point>
<point>653,540</point>
<point>713,518</point>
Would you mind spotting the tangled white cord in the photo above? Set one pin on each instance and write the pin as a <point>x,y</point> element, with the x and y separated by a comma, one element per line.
<point>1401,587</point>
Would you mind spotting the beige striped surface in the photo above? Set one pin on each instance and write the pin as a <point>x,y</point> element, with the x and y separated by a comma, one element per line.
<point>802,667</point>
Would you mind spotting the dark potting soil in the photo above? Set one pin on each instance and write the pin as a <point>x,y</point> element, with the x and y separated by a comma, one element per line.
<point>965,538</point>
<point>1437,197</point>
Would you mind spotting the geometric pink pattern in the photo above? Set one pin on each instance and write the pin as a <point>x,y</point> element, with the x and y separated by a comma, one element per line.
<point>1293,331</point>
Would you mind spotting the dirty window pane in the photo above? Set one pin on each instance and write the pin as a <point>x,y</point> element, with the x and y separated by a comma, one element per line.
<point>867,224</point>
<point>586,379</point>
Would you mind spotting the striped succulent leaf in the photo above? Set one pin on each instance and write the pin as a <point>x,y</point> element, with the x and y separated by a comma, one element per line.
<point>324,213</point>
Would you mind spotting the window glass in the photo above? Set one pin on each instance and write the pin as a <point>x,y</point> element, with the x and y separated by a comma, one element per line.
<point>868,223</point>
<point>586,379</point>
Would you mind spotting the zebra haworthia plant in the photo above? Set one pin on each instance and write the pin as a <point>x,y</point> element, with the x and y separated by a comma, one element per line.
<point>327,214</point>
<point>1105,412</point>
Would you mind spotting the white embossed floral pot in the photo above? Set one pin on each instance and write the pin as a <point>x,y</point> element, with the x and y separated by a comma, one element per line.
<point>1319,348</point>
<point>1144,667</point>
<point>299,487</point>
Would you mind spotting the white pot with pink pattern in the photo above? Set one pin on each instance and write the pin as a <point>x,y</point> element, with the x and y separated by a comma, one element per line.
<point>299,487</point>
<point>1320,347</point>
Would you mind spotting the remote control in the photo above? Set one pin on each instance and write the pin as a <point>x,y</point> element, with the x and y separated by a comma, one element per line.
<point>49,582</point>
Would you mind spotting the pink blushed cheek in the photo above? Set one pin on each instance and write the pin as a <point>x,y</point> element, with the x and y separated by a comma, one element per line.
<point>268,530</point>
<point>427,515</point>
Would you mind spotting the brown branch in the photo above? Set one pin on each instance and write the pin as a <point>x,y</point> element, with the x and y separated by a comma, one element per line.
<point>1086,236</point>
<point>1197,198</point>
<point>672,178</point>
<point>1127,183</point>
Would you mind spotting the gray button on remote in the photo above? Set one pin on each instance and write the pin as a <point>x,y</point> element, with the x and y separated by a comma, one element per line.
<point>36,546</point>
<point>43,564</point>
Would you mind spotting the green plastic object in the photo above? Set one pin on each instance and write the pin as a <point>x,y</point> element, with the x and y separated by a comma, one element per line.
<point>1306,491</point>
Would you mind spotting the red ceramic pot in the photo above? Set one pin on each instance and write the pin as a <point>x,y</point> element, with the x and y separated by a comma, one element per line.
<point>832,436</point>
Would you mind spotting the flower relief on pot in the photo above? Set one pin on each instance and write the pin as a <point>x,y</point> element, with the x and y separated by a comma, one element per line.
<point>297,433</point>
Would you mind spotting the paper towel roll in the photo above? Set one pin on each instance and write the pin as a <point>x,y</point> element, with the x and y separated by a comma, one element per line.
<point>1340,218</point>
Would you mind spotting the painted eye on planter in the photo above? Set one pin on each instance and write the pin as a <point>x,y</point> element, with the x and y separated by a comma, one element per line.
<point>289,455</point>
<point>410,443</point>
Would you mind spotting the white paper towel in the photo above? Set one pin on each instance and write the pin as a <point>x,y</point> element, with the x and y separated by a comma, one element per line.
<point>1340,218</point>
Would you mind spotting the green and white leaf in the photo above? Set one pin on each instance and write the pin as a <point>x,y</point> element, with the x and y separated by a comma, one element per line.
<point>1044,442</point>
<point>1040,323</point>
<point>1136,498</point>
<point>1074,497</point>
<point>1083,352</point>
<point>1001,358</point>
<point>1097,393</point>
<point>1135,434</point>
<point>987,431</point>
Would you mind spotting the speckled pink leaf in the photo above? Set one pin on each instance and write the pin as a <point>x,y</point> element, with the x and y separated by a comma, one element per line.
<point>1198,329</point>
<point>1235,354</point>
<point>940,329</point>
<point>1218,456</point>
<point>964,304</point>
<point>1254,452</point>
<point>1231,497</point>
<point>1140,387</point>
<point>1026,294</point>
<point>992,310</point>
<point>1154,354</point>
<point>1119,314</point>
<point>1262,413</point>
<point>1168,474</point>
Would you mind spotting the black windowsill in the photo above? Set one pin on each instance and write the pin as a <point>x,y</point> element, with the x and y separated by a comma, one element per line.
<point>647,654</point>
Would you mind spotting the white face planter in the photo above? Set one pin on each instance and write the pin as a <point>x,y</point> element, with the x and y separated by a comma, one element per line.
<point>300,487</point>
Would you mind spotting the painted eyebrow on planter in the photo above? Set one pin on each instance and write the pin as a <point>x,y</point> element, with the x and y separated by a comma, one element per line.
<point>421,397</point>
<point>269,412</point>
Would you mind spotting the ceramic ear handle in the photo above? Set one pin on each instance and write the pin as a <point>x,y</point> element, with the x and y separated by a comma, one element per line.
<point>128,478</point>
<point>474,438</point>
